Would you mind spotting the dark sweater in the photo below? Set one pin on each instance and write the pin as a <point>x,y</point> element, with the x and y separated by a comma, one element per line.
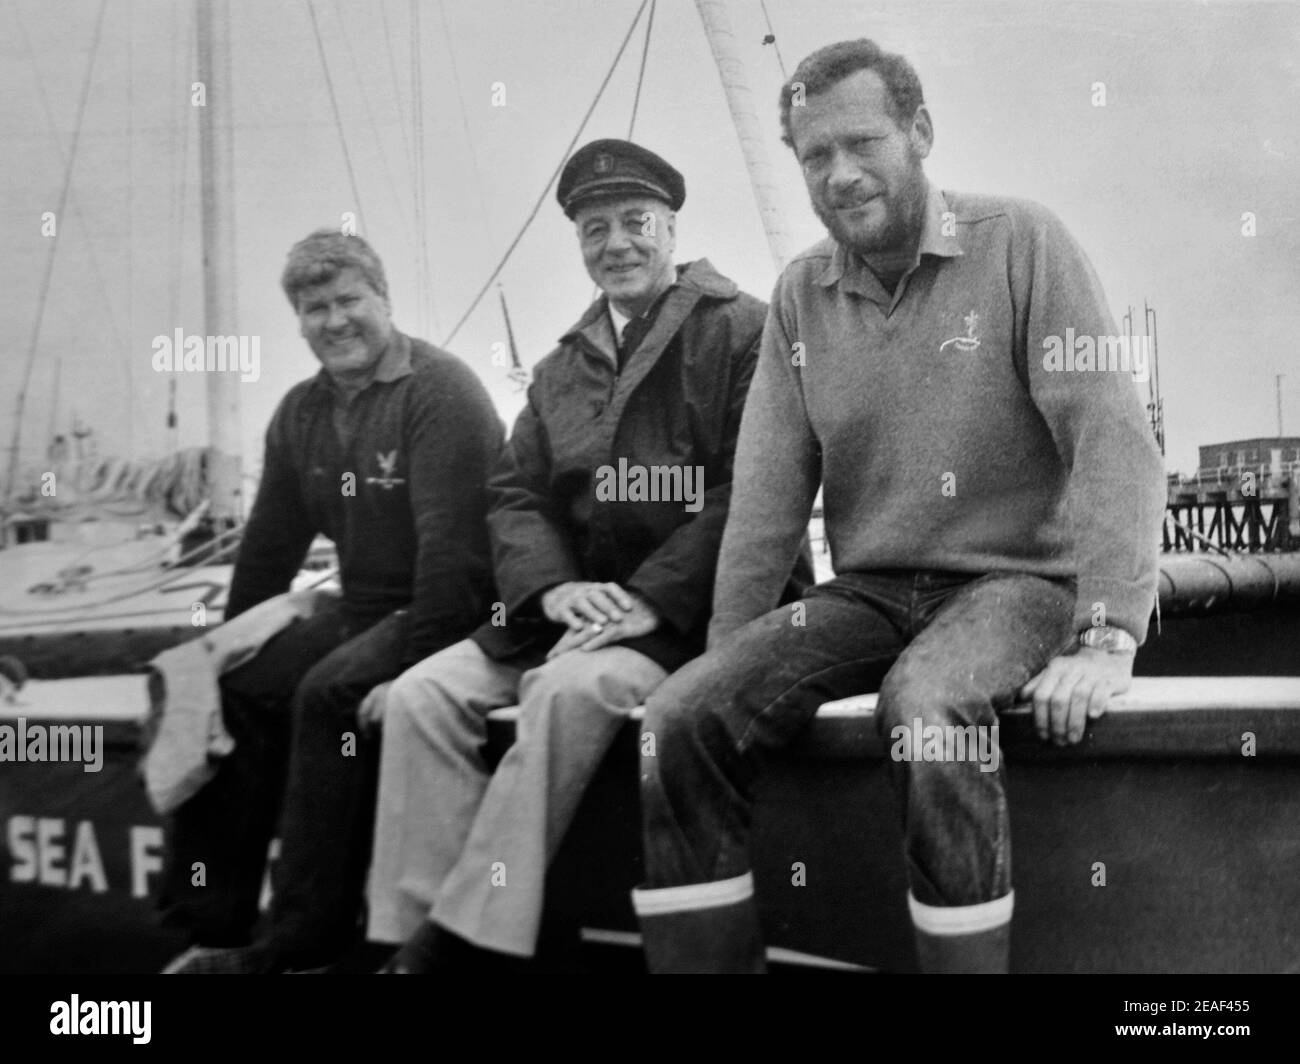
<point>403,499</point>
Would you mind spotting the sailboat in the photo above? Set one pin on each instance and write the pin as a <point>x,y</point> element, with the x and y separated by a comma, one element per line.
<point>112,560</point>
<point>1162,796</point>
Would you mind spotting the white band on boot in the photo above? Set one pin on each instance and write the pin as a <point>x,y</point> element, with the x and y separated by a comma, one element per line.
<point>961,919</point>
<point>663,900</point>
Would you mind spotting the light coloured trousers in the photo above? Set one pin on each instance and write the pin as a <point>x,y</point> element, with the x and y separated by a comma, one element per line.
<point>467,848</point>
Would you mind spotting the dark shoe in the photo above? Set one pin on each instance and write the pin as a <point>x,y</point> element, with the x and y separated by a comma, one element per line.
<point>435,949</point>
<point>242,960</point>
<point>430,949</point>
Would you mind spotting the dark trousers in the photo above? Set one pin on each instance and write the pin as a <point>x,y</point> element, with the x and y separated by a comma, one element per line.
<point>946,649</point>
<point>299,759</point>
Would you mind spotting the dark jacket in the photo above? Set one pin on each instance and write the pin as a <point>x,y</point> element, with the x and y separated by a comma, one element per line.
<point>404,502</point>
<point>676,403</point>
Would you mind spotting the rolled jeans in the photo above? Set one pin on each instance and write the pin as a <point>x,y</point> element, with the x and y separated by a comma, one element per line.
<point>469,848</point>
<point>945,649</point>
<point>299,759</point>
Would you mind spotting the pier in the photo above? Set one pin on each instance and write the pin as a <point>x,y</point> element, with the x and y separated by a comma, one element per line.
<point>1238,500</point>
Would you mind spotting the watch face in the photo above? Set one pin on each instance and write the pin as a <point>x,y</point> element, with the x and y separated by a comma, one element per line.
<point>1104,637</point>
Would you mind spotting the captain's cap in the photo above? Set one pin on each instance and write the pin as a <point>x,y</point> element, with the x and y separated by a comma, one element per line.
<point>606,168</point>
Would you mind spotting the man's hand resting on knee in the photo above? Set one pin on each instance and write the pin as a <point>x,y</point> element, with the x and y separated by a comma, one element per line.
<point>597,615</point>
<point>1075,688</point>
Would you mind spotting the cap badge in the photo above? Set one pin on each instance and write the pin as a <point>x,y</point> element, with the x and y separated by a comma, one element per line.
<point>603,164</point>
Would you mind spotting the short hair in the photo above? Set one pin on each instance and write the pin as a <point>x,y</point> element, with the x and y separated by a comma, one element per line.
<point>318,259</point>
<point>828,66</point>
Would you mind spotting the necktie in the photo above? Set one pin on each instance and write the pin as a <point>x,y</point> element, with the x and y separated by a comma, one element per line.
<point>633,333</point>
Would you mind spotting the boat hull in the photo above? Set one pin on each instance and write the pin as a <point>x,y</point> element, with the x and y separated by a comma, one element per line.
<point>1127,862</point>
<point>1156,845</point>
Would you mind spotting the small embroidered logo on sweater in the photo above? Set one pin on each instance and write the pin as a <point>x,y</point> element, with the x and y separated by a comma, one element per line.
<point>387,463</point>
<point>969,342</point>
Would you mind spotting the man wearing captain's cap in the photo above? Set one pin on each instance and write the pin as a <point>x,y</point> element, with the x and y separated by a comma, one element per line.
<point>605,576</point>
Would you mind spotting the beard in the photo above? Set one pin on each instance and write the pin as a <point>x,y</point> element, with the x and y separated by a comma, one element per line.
<point>899,227</point>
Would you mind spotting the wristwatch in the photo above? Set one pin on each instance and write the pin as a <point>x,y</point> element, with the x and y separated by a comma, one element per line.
<point>1112,640</point>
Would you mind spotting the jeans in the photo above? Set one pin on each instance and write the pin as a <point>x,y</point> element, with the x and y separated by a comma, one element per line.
<point>290,710</point>
<point>947,649</point>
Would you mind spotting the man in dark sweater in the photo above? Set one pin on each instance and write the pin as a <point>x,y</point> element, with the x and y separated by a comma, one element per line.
<point>993,511</point>
<point>386,451</point>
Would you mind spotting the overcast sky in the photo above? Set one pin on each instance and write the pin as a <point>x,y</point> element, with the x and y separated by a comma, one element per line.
<point>1201,123</point>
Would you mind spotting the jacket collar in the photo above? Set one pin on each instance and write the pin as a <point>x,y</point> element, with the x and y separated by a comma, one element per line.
<point>694,279</point>
<point>856,275</point>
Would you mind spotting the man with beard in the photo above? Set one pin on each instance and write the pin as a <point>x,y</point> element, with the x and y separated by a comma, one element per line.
<point>385,451</point>
<point>605,587</point>
<point>993,524</point>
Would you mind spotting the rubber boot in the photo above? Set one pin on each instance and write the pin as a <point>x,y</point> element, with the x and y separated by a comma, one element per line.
<point>685,930</point>
<point>965,940</point>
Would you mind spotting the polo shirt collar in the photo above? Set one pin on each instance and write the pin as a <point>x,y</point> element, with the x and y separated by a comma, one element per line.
<point>856,274</point>
<point>395,362</point>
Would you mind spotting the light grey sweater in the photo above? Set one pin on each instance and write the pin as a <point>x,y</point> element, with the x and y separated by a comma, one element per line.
<point>937,420</point>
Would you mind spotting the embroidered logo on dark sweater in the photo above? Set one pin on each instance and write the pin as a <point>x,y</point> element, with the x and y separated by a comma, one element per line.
<point>387,463</point>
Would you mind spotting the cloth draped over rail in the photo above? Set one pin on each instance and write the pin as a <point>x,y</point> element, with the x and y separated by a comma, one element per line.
<point>185,733</point>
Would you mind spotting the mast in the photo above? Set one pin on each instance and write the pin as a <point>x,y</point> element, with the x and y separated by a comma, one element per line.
<point>1157,405</point>
<point>729,59</point>
<point>517,372</point>
<point>220,314</point>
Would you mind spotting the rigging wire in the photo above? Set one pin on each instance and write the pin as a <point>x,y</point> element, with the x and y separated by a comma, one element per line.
<point>74,203</point>
<point>554,174</point>
<point>408,157</point>
<point>422,272</point>
<point>130,226</point>
<point>54,405</point>
<point>640,77</point>
<point>427,298</point>
<point>397,94</point>
<point>636,99</point>
<point>21,401</point>
<point>464,118</point>
<point>338,118</point>
<point>771,38</point>
<point>180,186</point>
<point>365,101</point>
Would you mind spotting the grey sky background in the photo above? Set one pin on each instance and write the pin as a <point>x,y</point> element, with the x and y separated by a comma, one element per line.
<point>1201,124</point>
